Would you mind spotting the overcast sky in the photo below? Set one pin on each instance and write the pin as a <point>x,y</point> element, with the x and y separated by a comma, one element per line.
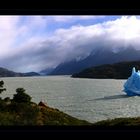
<point>33,43</point>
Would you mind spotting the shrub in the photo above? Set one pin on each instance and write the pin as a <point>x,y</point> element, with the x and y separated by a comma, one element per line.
<point>1,87</point>
<point>21,96</point>
<point>7,99</point>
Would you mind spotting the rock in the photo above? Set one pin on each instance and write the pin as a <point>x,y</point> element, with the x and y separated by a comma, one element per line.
<point>42,104</point>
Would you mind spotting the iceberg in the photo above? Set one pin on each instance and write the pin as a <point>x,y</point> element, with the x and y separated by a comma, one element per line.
<point>132,85</point>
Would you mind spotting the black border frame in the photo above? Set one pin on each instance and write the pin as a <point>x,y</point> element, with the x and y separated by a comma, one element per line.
<point>69,7</point>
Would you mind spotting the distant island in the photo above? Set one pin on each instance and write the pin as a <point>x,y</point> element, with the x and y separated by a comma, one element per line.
<point>121,70</point>
<point>8,73</point>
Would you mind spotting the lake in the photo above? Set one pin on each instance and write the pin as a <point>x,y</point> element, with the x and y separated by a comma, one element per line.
<point>88,99</point>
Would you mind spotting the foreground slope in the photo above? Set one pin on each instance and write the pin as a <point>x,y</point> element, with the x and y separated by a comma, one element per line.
<point>20,110</point>
<point>33,114</point>
<point>135,121</point>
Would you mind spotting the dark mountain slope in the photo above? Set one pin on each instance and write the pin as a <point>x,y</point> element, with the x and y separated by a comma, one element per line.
<point>120,70</point>
<point>7,73</point>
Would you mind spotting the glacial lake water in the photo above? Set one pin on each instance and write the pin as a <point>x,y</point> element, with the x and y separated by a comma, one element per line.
<point>89,99</point>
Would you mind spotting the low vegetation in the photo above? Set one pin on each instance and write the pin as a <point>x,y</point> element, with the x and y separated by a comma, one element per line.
<point>135,121</point>
<point>21,111</point>
<point>1,87</point>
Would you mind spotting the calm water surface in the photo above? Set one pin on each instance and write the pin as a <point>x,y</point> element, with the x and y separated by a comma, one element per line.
<point>88,99</point>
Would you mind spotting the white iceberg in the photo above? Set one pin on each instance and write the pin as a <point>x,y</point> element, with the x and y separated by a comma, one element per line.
<point>132,85</point>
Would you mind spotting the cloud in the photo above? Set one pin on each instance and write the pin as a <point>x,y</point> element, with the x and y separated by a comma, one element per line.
<point>7,32</point>
<point>14,28</point>
<point>77,42</point>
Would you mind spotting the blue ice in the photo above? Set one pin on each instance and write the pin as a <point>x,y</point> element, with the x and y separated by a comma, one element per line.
<point>132,85</point>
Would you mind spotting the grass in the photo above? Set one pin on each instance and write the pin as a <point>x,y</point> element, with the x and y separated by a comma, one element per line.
<point>33,114</point>
<point>135,121</point>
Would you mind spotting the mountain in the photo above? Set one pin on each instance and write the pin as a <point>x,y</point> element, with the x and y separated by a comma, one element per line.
<point>120,70</point>
<point>46,71</point>
<point>7,73</point>
<point>31,74</point>
<point>96,58</point>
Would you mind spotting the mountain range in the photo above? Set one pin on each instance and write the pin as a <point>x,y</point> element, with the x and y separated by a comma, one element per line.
<point>99,56</point>
<point>7,73</point>
<point>96,58</point>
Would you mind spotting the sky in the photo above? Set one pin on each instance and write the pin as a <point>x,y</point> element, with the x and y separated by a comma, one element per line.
<point>33,43</point>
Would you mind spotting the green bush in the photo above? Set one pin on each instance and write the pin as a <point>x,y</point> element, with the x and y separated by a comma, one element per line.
<point>21,111</point>
<point>21,96</point>
<point>7,99</point>
<point>1,87</point>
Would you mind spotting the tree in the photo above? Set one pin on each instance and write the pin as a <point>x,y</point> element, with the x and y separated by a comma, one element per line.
<point>21,96</point>
<point>1,87</point>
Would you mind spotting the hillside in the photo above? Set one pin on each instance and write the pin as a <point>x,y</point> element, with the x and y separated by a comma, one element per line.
<point>120,70</point>
<point>31,74</point>
<point>15,113</point>
<point>8,73</point>
<point>119,122</point>
<point>20,110</point>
